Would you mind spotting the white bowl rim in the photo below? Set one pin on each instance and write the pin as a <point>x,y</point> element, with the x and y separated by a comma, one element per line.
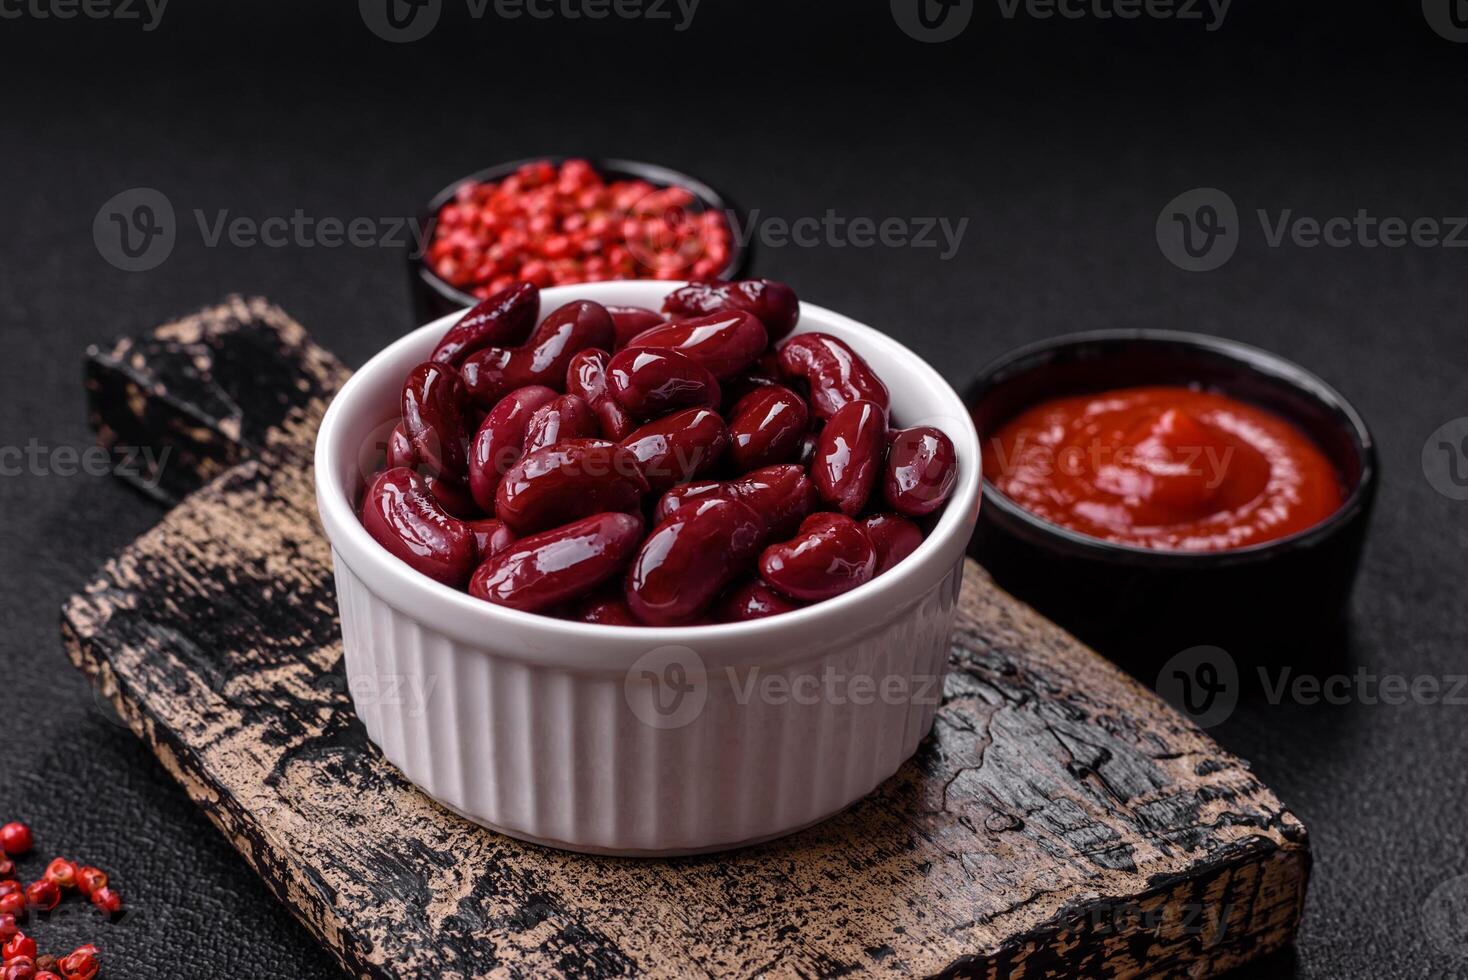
<point>445,608</point>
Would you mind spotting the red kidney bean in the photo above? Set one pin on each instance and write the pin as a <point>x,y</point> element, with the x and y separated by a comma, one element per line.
<point>753,600</point>
<point>678,447</point>
<point>688,559</point>
<point>402,516</point>
<point>492,372</point>
<point>830,555</point>
<point>725,343</point>
<point>766,428</point>
<point>400,451</point>
<point>605,610</point>
<point>781,495</point>
<point>849,456</point>
<point>499,443</point>
<point>650,382</point>
<point>502,320</point>
<point>433,417</point>
<point>629,321</point>
<point>558,565</point>
<point>893,536</point>
<point>452,494</point>
<point>835,373</point>
<point>568,417</point>
<point>922,467</point>
<point>491,536</point>
<point>773,303</point>
<point>808,443</point>
<point>567,481</point>
<point>586,377</point>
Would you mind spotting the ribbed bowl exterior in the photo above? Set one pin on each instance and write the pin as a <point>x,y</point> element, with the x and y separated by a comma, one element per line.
<point>584,760</point>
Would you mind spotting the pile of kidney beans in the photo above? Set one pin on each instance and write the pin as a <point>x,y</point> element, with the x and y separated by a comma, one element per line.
<point>621,466</point>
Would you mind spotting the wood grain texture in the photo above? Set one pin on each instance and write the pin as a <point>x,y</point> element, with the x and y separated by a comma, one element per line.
<point>1061,820</point>
<point>203,392</point>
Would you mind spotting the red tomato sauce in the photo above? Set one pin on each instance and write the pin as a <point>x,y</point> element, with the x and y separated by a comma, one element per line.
<point>1171,468</point>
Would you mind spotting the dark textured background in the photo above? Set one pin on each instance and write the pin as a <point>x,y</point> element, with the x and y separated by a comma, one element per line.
<point>1060,141</point>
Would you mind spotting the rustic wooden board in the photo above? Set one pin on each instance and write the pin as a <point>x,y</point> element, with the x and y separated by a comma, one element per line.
<point>1061,820</point>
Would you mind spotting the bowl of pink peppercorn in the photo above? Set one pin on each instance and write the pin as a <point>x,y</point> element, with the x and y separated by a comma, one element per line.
<point>554,221</point>
<point>647,567</point>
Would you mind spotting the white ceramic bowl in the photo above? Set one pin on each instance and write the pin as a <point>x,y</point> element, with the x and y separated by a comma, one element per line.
<point>642,740</point>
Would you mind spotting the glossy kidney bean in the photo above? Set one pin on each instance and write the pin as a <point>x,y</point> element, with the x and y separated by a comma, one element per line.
<point>500,440</point>
<point>893,536</point>
<point>400,451</point>
<point>781,495</point>
<point>808,448</point>
<point>849,456</point>
<point>570,480</point>
<point>452,494</point>
<point>650,382</point>
<point>688,560</point>
<point>766,428</point>
<point>773,303</point>
<point>725,343</point>
<point>752,600</point>
<point>629,321</point>
<point>567,417</point>
<point>491,373</point>
<point>831,554</point>
<point>922,467</point>
<point>586,377</point>
<point>605,610</point>
<point>501,320</point>
<point>679,447</point>
<point>491,536</point>
<point>834,372</point>
<point>558,565</point>
<point>433,418</point>
<point>400,513</point>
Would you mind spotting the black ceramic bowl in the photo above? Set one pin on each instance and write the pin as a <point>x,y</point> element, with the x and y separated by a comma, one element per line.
<point>433,297</point>
<point>1268,602</point>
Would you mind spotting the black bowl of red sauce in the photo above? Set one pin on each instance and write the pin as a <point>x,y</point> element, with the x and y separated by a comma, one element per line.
<point>1155,490</point>
<point>653,226</point>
